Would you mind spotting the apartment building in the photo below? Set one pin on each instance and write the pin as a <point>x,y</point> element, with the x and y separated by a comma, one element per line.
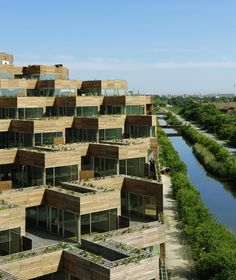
<point>79,195</point>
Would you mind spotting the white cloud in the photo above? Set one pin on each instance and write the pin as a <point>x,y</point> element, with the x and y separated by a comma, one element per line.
<point>107,64</point>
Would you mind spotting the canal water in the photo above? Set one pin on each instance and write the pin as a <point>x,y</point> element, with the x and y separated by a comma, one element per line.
<point>219,197</point>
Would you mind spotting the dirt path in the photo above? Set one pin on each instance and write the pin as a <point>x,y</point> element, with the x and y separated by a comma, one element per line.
<point>178,255</point>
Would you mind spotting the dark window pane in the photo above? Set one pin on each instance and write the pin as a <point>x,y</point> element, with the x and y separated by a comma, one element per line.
<point>100,221</point>
<point>85,224</point>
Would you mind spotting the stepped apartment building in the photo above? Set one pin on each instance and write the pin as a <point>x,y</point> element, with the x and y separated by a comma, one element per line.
<point>79,197</point>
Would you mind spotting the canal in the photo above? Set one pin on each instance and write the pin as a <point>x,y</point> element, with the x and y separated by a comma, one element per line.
<point>218,196</point>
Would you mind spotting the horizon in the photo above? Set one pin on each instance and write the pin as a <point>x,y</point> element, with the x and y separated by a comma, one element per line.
<point>162,47</point>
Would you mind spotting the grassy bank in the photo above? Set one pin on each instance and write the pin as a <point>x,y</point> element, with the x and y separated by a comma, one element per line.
<point>213,247</point>
<point>215,158</point>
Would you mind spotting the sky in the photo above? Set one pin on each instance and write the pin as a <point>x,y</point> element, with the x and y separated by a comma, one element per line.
<point>159,46</point>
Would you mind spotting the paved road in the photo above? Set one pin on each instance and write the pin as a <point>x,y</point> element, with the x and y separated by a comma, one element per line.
<point>231,150</point>
<point>178,259</point>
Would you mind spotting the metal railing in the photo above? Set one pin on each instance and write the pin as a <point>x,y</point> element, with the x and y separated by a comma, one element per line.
<point>163,270</point>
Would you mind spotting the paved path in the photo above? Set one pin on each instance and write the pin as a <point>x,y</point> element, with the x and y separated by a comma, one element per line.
<point>178,255</point>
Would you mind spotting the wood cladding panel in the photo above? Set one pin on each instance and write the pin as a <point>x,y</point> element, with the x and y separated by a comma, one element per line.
<point>28,197</point>
<point>7,57</point>
<point>114,182</point>
<point>25,157</point>
<point>154,147</point>
<point>143,238</point>
<point>103,151</point>
<point>34,266</point>
<point>65,101</point>
<point>5,125</point>
<point>111,122</point>
<point>17,83</point>
<point>62,158</point>
<point>138,100</point>
<point>89,100</point>
<point>13,218</point>
<point>121,84</point>
<point>91,84</point>
<point>142,187</point>
<point>8,102</point>
<point>143,270</point>
<point>99,202</point>
<point>114,100</point>
<point>57,124</point>
<point>145,188</point>
<point>83,122</point>
<point>86,174</point>
<point>133,151</point>
<point>31,102</point>
<point>22,126</point>
<point>84,269</point>
<point>5,185</point>
<point>7,155</point>
<point>62,201</point>
<point>139,120</point>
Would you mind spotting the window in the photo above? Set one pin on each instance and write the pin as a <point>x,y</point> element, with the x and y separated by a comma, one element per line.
<point>30,113</point>
<point>46,138</point>
<point>8,113</point>
<point>55,175</point>
<point>87,111</point>
<point>137,205</point>
<point>133,167</point>
<point>99,221</point>
<point>9,241</point>
<point>74,135</point>
<point>109,134</point>
<point>135,109</point>
<point>104,167</point>
<point>5,172</point>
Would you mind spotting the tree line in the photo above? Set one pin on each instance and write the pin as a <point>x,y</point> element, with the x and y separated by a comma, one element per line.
<point>209,117</point>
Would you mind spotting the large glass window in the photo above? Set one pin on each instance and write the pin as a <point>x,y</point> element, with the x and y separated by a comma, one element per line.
<point>20,139</point>
<point>5,172</point>
<point>87,110</point>
<point>30,113</point>
<point>54,220</point>
<point>4,142</point>
<point>74,135</point>
<point>110,133</point>
<point>10,241</point>
<point>8,113</point>
<point>4,242</point>
<point>139,130</point>
<point>135,109</point>
<point>85,224</point>
<point>113,109</point>
<point>133,167</point>
<point>86,163</point>
<point>113,91</point>
<point>15,240</point>
<point>46,138</point>
<point>70,224</point>
<point>99,221</point>
<point>136,205</point>
<point>55,175</point>
<point>7,92</point>
<point>105,167</point>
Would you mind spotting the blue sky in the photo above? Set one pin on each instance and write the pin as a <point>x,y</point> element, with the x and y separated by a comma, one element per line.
<point>163,46</point>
